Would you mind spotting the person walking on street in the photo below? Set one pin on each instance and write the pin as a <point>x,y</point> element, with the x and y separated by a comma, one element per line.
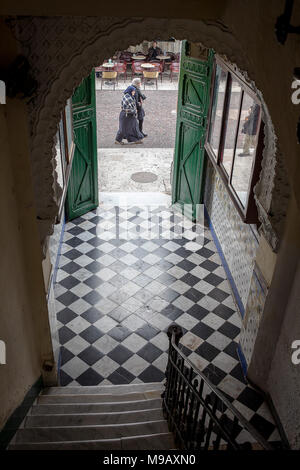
<point>139,98</point>
<point>128,124</point>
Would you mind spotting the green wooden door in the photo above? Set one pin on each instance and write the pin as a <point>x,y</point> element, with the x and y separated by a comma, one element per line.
<point>82,194</point>
<point>192,110</point>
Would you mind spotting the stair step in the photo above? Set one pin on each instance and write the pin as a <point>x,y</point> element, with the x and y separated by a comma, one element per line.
<point>80,408</point>
<point>161,441</point>
<point>153,442</point>
<point>96,398</point>
<point>87,433</point>
<point>103,389</point>
<point>60,420</point>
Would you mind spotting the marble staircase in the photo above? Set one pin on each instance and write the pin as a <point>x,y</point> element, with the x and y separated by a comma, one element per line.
<point>119,417</point>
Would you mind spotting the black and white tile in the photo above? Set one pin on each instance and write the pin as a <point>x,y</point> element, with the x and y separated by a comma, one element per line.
<point>118,290</point>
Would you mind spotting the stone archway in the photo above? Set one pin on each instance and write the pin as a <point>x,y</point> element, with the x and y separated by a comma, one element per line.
<point>63,50</point>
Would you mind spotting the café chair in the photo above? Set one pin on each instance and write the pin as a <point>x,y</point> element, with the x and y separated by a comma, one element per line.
<point>149,76</point>
<point>126,56</point>
<point>111,75</point>
<point>136,69</point>
<point>121,68</point>
<point>159,67</point>
<point>169,61</point>
<point>174,69</point>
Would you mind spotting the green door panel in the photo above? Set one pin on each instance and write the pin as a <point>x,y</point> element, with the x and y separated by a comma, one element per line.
<point>82,194</point>
<point>192,110</point>
<point>188,164</point>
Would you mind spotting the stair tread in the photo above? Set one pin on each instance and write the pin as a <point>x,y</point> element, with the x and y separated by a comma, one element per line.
<point>159,441</point>
<point>111,417</point>
<point>85,419</point>
<point>90,432</point>
<point>99,398</point>
<point>71,408</point>
<point>102,389</point>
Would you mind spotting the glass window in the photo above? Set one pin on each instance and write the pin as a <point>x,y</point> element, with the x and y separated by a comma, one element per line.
<point>62,145</point>
<point>217,110</point>
<point>231,125</point>
<point>246,148</point>
<point>64,151</point>
<point>69,127</point>
<point>234,139</point>
<point>59,163</point>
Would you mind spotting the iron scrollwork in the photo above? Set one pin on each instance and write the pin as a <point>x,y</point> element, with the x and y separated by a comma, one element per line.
<point>198,414</point>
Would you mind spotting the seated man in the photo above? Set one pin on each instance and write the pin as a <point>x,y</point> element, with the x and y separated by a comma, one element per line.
<point>153,51</point>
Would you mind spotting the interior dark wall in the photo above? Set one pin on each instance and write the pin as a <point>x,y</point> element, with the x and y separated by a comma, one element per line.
<point>194,9</point>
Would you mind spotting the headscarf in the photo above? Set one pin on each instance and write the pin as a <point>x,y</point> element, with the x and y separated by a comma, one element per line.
<point>129,90</point>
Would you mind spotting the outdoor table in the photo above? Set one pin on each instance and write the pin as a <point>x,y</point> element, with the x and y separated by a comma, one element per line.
<point>108,65</point>
<point>147,65</point>
<point>162,58</point>
<point>139,57</point>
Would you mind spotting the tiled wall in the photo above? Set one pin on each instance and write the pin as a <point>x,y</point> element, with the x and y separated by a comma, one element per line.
<point>255,305</point>
<point>237,240</point>
<point>239,244</point>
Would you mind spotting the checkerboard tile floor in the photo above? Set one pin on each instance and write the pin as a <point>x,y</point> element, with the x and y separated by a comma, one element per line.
<point>118,290</point>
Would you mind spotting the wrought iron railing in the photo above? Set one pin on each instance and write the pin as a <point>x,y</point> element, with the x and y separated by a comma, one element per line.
<point>198,413</point>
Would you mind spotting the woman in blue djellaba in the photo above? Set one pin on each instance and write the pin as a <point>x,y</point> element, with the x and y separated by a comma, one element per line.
<point>128,123</point>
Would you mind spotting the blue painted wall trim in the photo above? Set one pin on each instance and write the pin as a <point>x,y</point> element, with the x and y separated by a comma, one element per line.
<point>54,272</point>
<point>53,281</point>
<point>242,360</point>
<point>59,365</point>
<point>59,248</point>
<point>225,265</point>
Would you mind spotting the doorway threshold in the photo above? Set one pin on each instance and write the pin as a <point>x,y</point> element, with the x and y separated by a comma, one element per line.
<point>134,198</point>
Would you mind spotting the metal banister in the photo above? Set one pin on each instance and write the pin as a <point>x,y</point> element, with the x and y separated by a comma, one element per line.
<point>198,422</point>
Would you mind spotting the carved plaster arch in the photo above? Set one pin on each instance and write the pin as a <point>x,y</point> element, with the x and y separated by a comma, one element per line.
<point>63,50</point>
